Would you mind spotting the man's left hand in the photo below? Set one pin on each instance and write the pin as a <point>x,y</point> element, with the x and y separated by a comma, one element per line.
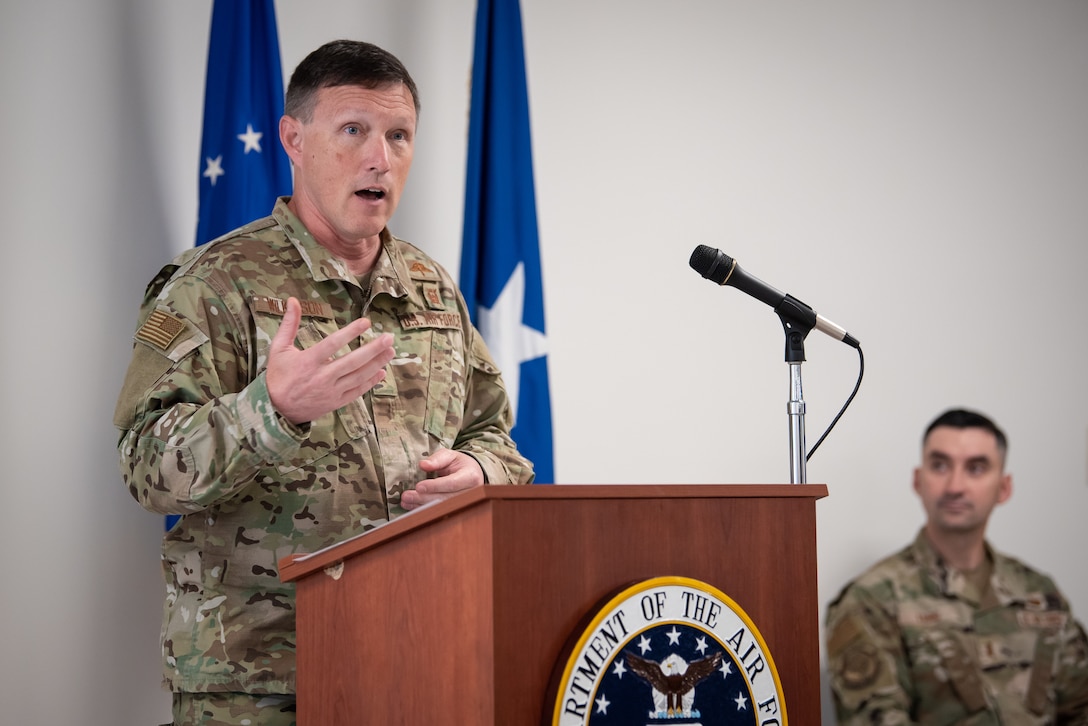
<point>453,471</point>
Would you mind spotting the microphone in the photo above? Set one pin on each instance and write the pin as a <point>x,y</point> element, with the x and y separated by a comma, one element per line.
<point>719,267</point>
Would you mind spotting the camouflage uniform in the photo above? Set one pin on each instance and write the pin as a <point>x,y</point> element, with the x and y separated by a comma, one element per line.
<point>231,709</point>
<point>912,641</point>
<point>199,436</point>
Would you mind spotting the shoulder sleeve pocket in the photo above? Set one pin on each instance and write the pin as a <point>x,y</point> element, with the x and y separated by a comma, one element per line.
<point>160,342</point>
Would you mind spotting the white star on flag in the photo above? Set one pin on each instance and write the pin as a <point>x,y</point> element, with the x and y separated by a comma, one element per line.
<point>215,168</point>
<point>251,138</point>
<point>603,704</point>
<point>512,342</point>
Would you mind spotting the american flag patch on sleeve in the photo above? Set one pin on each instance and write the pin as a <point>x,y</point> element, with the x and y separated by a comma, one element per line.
<point>160,329</point>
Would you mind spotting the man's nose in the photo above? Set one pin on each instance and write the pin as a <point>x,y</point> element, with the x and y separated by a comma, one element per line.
<point>957,480</point>
<point>377,155</point>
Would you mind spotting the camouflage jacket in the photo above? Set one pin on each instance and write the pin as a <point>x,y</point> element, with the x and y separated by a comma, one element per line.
<point>914,642</point>
<point>200,438</point>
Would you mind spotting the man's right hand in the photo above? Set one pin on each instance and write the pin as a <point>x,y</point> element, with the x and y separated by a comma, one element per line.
<point>307,384</point>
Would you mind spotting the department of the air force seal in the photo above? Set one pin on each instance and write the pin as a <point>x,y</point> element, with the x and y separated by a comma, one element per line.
<point>670,651</point>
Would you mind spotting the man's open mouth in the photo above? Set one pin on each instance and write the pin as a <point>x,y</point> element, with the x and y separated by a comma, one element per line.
<point>370,194</point>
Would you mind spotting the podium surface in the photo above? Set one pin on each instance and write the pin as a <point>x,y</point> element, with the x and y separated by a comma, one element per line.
<point>461,612</point>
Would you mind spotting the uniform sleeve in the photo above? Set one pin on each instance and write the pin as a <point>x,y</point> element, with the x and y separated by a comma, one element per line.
<point>867,661</point>
<point>1071,683</point>
<point>485,434</point>
<point>195,425</point>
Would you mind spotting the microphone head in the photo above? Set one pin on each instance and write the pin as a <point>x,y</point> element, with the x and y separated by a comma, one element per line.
<point>712,264</point>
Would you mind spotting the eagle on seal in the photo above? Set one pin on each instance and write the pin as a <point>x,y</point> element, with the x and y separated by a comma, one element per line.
<point>673,685</point>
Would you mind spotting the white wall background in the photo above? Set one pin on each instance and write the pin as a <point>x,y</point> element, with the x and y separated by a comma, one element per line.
<point>918,172</point>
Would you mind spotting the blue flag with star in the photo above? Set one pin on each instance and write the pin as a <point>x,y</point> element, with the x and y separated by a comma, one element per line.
<point>243,168</point>
<point>500,255</point>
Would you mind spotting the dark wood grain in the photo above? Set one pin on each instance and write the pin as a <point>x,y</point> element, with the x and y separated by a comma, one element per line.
<point>460,614</point>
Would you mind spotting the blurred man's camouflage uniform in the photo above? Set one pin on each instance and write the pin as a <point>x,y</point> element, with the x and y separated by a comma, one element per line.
<point>911,641</point>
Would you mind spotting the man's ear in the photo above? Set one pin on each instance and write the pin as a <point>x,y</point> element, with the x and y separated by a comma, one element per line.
<point>914,480</point>
<point>1005,490</point>
<point>291,137</point>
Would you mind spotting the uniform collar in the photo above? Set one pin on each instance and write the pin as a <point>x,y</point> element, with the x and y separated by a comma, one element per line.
<point>949,582</point>
<point>391,274</point>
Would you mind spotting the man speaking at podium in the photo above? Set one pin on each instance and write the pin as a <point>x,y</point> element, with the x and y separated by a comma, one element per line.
<point>950,631</point>
<point>296,382</point>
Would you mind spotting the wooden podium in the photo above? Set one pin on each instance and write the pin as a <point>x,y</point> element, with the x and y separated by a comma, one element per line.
<point>459,613</point>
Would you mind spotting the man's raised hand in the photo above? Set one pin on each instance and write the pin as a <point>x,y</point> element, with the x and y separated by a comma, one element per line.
<point>307,384</point>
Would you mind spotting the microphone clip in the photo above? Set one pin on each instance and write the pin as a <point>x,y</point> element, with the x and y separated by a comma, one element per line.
<point>798,320</point>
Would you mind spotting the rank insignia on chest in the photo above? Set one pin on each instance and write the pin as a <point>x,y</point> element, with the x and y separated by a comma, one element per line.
<point>433,296</point>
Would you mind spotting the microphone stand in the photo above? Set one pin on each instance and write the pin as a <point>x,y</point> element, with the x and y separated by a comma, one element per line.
<point>795,355</point>
<point>797,321</point>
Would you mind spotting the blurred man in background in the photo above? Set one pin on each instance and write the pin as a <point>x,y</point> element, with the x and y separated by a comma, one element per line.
<point>948,630</point>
